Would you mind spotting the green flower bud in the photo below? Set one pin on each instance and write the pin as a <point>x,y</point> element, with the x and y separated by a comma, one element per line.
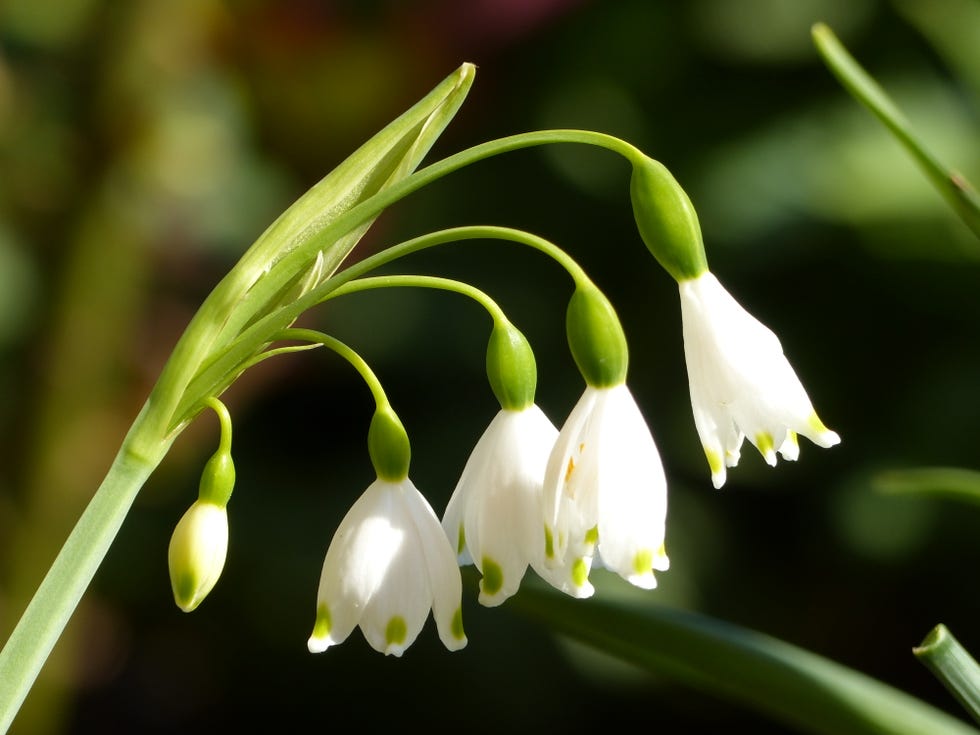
<point>197,553</point>
<point>667,221</point>
<point>388,445</point>
<point>218,478</point>
<point>596,338</point>
<point>511,367</point>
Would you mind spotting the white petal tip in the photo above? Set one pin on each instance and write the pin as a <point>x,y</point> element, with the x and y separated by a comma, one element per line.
<point>718,480</point>
<point>643,581</point>
<point>455,644</point>
<point>828,439</point>
<point>318,645</point>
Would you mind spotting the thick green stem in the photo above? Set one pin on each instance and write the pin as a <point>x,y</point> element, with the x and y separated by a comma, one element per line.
<point>943,655</point>
<point>73,569</point>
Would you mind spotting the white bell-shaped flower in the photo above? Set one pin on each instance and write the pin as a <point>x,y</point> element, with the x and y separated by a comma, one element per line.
<point>605,494</point>
<point>741,383</point>
<point>494,515</point>
<point>387,565</point>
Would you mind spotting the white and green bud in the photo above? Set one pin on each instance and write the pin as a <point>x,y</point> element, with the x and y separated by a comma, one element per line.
<point>388,445</point>
<point>666,219</point>
<point>511,367</point>
<point>197,553</point>
<point>596,338</point>
<point>199,543</point>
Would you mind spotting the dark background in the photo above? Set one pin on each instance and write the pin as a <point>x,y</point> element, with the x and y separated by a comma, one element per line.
<point>144,145</point>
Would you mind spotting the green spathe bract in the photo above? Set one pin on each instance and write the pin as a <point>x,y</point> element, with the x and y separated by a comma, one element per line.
<point>666,219</point>
<point>257,286</point>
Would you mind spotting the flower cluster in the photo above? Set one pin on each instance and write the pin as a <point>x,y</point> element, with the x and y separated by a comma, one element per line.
<point>560,501</point>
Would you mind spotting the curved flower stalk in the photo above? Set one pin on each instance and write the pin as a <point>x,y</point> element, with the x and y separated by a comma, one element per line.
<point>389,561</point>
<point>605,489</point>
<point>741,383</point>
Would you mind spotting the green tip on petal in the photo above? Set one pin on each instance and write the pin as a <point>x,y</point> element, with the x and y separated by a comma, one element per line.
<point>766,446</point>
<point>396,631</point>
<point>714,461</point>
<point>457,625</point>
<point>461,540</point>
<point>592,536</point>
<point>549,543</point>
<point>643,561</point>
<point>185,588</point>
<point>493,577</point>
<point>321,628</point>
<point>580,572</point>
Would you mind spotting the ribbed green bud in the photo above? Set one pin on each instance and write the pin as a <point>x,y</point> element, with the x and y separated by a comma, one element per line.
<point>596,338</point>
<point>218,478</point>
<point>388,445</point>
<point>511,368</point>
<point>667,221</point>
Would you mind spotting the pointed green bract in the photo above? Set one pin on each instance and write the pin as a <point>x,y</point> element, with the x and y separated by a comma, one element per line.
<point>300,248</point>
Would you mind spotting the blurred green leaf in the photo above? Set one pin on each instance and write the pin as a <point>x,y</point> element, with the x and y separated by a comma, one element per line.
<point>956,482</point>
<point>788,683</point>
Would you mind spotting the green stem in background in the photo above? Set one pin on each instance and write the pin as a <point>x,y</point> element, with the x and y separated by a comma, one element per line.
<point>943,655</point>
<point>66,581</point>
<point>954,482</point>
<point>953,186</point>
<point>792,685</point>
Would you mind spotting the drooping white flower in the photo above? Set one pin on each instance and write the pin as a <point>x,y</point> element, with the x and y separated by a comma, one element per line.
<point>387,565</point>
<point>605,494</point>
<point>494,515</point>
<point>741,383</point>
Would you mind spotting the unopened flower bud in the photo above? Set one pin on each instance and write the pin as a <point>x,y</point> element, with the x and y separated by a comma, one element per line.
<point>197,553</point>
<point>666,219</point>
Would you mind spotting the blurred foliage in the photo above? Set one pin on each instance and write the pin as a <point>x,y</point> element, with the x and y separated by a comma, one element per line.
<point>144,145</point>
